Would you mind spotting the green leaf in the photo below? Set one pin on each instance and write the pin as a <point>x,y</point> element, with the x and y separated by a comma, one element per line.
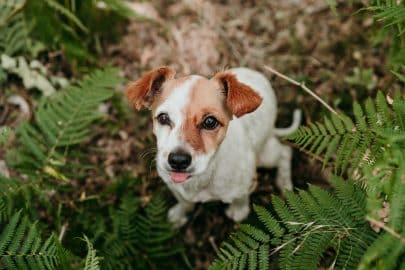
<point>62,121</point>
<point>92,261</point>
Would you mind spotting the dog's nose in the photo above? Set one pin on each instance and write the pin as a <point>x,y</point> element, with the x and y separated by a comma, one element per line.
<point>179,160</point>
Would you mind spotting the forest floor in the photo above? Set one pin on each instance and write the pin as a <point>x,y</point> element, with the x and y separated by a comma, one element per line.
<point>303,39</point>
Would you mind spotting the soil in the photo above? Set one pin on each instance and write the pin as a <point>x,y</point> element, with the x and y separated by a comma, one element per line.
<point>302,39</point>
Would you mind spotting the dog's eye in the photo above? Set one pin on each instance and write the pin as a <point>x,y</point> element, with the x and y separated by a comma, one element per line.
<point>209,123</point>
<point>163,119</point>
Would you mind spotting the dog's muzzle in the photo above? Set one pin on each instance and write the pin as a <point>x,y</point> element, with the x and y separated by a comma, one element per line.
<point>179,161</point>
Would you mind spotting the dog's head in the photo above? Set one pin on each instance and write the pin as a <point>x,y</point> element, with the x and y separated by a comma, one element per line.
<point>190,116</point>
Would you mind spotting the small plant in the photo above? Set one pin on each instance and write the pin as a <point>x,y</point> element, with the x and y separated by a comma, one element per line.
<point>362,78</point>
<point>29,27</point>
<point>392,14</point>
<point>355,143</point>
<point>61,122</point>
<point>21,247</point>
<point>92,261</point>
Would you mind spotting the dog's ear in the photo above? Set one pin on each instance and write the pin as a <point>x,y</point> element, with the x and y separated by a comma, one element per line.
<point>142,92</point>
<point>240,98</point>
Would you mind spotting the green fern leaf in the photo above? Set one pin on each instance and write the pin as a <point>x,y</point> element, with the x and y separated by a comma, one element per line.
<point>22,248</point>
<point>62,121</point>
<point>264,257</point>
<point>252,263</point>
<point>61,9</point>
<point>352,145</point>
<point>13,28</point>
<point>316,223</point>
<point>284,213</point>
<point>140,238</point>
<point>269,221</point>
<point>399,108</point>
<point>254,233</point>
<point>92,261</point>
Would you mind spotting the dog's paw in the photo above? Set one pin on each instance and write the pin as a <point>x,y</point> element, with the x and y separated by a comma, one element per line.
<point>237,213</point>
<point>177,216</point>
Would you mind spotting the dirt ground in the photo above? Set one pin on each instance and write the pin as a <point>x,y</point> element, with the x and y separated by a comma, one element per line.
<point>301,38</point>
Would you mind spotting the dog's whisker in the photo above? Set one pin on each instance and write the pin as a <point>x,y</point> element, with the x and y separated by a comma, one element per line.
<point>148,152</point>
<point>151,164</point>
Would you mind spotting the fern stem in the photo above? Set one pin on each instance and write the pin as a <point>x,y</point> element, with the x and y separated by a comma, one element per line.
<point>296,146</point>
<point>213,244</point>
<point>385,228</point>
<point>63,231</point>
<point>303,86</point>
<point>15,11</point>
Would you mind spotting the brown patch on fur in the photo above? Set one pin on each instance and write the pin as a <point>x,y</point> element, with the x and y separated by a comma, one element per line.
<point>205,99</point>
<point>142,92</point>
<point>240,98</point>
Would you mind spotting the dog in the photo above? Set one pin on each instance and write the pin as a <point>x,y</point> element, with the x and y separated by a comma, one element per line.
<point>212,134</point>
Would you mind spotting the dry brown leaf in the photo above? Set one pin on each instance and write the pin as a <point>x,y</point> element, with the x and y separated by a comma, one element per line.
<point>145,9</point>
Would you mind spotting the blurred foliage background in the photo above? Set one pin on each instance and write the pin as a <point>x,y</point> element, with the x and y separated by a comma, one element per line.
<point>78,188</point>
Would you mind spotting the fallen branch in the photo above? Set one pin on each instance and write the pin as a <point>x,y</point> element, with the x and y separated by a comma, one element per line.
<point>303,86</point>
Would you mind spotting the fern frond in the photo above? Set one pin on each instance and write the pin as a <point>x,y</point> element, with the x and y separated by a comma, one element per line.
<point>269,221</point>
<point>8,9</point>
<point>356,143</point>
<point>53,4</point>
<point>140,237</point>
<point>399,108</point>
<point>60,122</point>
<point>22,248</point>
<point>315,222</point>
<point>392,13</point>
<point>13,28</point>
<point>248,249</point>
<point>3,210</point>
<point>16,194</point>
<point>153,228</point>
<point>92,261</point>
<point>388,249</point>
<point>120,8</point>
<point>5,133</point>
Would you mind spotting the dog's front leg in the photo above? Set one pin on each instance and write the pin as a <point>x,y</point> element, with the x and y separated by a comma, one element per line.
<point>177,215</point>
<point>239,209</point>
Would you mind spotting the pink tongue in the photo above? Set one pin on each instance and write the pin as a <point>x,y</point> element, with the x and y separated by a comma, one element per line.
<point>178,177</point>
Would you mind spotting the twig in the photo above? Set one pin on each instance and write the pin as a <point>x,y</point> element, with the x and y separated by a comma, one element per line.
<point>63,231</point>
<point>385,228</point>
<point>213,244</point>
<point>303,86</point>
<point>15,11</point>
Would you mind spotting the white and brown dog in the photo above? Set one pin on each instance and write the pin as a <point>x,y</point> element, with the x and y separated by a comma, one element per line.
<point>211,134</point>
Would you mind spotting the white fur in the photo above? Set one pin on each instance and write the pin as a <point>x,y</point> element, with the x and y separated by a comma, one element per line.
<point>169,138</point>
<point>228,173</point>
